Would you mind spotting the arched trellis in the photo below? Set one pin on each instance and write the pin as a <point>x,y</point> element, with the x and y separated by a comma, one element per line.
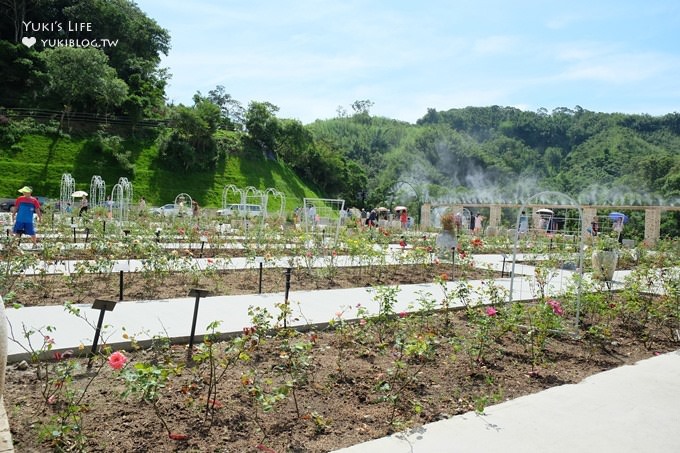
<point>184,204</point>
<point>237,194</point>
<point>465,217</point>
<point>253,195</point>
<point>275,194</point>
<point>97,191</point>
<point>322,217</point>
<point>549,198</point>
<point>121,198</point>
<point>68,185</point>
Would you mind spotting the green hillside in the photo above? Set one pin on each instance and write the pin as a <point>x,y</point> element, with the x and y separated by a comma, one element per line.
<point>40,160</point>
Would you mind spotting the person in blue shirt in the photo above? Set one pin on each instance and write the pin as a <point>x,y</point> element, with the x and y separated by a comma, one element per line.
<point>24,207</point>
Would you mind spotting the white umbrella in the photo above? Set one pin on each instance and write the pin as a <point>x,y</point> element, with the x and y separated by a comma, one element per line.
<point>544,211</point>
<point>401,208</point>
<point>79,194</point>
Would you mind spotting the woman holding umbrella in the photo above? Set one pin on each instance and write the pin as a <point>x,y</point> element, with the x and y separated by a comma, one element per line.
<point>619,219</point>
<point>618,228</point>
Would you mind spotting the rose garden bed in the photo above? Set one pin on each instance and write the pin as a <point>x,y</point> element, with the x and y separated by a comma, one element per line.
<point>274,389</point>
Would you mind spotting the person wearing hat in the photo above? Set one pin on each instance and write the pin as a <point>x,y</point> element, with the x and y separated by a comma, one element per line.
<point>24,207</point>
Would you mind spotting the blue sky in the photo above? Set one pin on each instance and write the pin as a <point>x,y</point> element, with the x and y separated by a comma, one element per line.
<point>309,57</point>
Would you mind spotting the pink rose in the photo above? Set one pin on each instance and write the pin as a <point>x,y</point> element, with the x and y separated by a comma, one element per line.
<point>490,311</point>
<point>556,307</point>
<point>117,360</point>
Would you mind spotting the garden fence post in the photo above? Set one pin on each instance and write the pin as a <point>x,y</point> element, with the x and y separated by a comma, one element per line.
<point>120,286</point>
<point>259,285</point>
<point>198,292</point>
<point>288,271</point>
<point>103,306</point>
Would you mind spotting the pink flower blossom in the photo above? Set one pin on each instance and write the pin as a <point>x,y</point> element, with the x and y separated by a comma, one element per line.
<point>556,307</point>
<point>362,322</point>
<point>338,314</point>
<point>117,360</point>
<point>490,311</point>
<point>403,314</point>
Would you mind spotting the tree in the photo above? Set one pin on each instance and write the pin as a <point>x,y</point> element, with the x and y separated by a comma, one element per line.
<point>23,74</point>
<point>80,78</point>
<point>263,126</point>
<point>231,109</point>
<point>190,143</point>
<point>135,57</point>
<point>15,12</point>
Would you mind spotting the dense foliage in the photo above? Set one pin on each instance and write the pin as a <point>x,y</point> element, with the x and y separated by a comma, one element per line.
<point>133,83</point>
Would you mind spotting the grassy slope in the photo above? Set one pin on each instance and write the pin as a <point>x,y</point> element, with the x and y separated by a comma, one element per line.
<point>40,161</point>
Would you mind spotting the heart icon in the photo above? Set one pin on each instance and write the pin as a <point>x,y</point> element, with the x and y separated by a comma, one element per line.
<point>28,42</point>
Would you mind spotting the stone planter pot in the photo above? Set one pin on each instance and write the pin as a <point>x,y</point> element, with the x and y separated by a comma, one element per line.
<point>445,241</point>
<point>604,264</point>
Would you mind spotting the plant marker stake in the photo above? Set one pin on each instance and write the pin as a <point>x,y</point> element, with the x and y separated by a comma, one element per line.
<point>503,268</point>
<point>74,234</point>
<point>104,225</point>
<point>120,286</point>
<point>202,245</point>
<point>87,234</point>
<point>103,306</point>
<point>259,286</point>
<point>288,271</point>
<point>453,262</point>
<point>198,293</point>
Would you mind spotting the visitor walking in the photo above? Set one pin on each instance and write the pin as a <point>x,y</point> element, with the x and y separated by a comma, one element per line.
<point>403,218</point>
<point>109,206</point>
<point>523,222</point>
<point>479,220</point>
<point>618,229</point>
<point>84,204</point>
<point>594,226</point>
<point>24,207</point>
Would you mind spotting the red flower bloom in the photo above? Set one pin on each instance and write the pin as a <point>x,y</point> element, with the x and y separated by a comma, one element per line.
<point>490,311</point>
<point>176,436</point>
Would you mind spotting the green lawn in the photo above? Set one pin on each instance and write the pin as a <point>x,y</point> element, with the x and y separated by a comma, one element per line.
<point>40,161</point>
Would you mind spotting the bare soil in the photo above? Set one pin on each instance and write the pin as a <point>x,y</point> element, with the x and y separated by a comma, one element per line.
<point>44,290</point>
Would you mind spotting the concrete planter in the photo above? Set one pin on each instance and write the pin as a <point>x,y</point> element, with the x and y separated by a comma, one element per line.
<point>604,264</point>
<point>445,242</point>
